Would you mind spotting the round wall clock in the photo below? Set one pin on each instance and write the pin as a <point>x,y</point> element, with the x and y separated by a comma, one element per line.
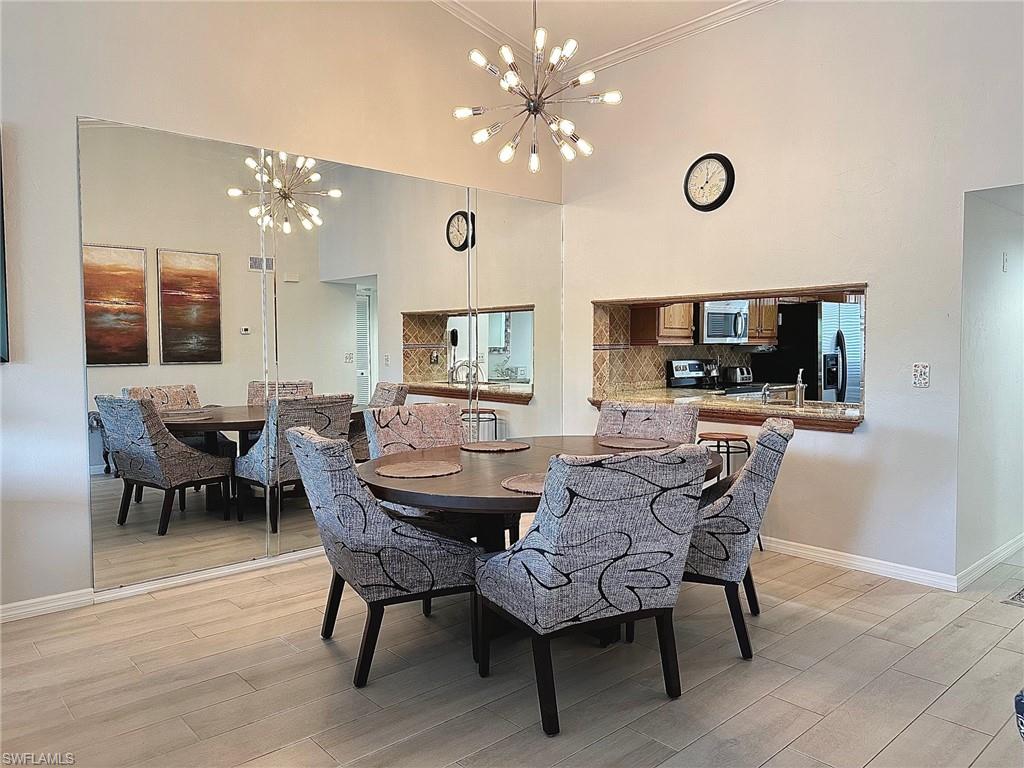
<point>709,181</point>
<point>457,230</point>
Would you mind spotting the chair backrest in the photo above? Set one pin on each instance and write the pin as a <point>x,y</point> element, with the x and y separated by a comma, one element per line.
<point>387,394</point>
<point>412,427</point>
<point>257,390</point>
<point>724,537</point>
<point>136,436</point>
<point>166,397</point>
<point>328,415</point>
<point>676,423</point>
<point>610,536</point>
<point>378,556</point>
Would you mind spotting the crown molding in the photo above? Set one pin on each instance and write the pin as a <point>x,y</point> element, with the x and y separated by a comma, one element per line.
<point>725,15</point>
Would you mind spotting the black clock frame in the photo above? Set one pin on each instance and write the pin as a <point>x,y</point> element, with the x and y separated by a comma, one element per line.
<point>471,235</point>
<point>730,181</point>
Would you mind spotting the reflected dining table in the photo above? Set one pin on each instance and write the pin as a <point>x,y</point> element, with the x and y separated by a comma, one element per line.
<point>477,489</point>
<point>246,420</point>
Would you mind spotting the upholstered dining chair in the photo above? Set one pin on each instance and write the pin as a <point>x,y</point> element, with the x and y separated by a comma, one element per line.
<point>608,545</point>
<point>147,455</point>
<point>731,513</point>
<point>385,395</point>
<point>256,393</point>
<point>269,463</point>
<point>413,428</point>
<point>676,423</point>
<point>386,561</point>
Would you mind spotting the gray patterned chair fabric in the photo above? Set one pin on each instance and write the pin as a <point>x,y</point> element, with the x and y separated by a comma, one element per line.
<point>147,454</point>
<point>732,510</point>
<point>655,421</point>
<point>256,393</point>
<point>610,537</point>
<point>95,422</point>
<point>166,397</point>
<point>387,394</point>
<point>412,428</point>
<point>384,560</point>
<point>329,415</point>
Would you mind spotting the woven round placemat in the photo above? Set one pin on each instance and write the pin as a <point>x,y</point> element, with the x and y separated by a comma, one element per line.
<point>179,416</point>
<point>631,443</point>
<point>529,482</point>
<point>495,446</point>
<point>418,469</point>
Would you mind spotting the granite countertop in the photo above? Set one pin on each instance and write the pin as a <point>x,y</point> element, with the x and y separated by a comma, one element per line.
<point>835,417</point>
<point>494,392</point>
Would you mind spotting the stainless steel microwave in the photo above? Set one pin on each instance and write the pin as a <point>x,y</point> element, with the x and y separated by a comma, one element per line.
<point>724,322</point>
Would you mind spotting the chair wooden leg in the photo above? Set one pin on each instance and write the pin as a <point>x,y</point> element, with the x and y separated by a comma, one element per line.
<point>275,506</point>
<point>545,684</point>
<point>106,462</point>
<point>751,590</point>
<point>181,499</point>
<point>732,594</point>
<point>374,616</point>
<point>245,494</point>
<point>138,493</point>
<point>669,659</point>
<point>474,626</point>
<point>483,648</point>
<point>333,603</point>
<point>225,489</point>
<point>165,512</point>
<point>126,500</point>
<point>426,606</point>
<point>630,631</point>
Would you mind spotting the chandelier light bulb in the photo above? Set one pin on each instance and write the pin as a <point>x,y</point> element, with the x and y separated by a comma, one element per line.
<point>506,55</point>
<point>334,193</point>
<point>310,162</point>
<point>611,97</point>
<point>568,127</point>
<point>585,147</point>
<point>300,161</point>
<point>312,210</point>
<point>307,224</point>
<point>254,211</point>
<point>534,164</point>
<point>251,163</point>
<point>540,39</point>
<point>315,176</point>
<point>277,183</point>
<point>286,227</point>
<point>586,78</point>
<point>567,152</point>
<point>508,152</point>
<point>234,192</point>
<point>282,156</point>
<point>484,134</point>
<point>463,113</point>
<point>317,220</point>
<point>504,86</point>
<point>477,57</point>
<point>512,79</point>
<point>569,48</point>
<point>555,57</point>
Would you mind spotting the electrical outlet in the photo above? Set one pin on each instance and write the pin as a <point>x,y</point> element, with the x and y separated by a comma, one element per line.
<point>922,375</point>
<point>245,330</point>
<point>350,357</point>
<point>387,360</point>
<point>435,357</point>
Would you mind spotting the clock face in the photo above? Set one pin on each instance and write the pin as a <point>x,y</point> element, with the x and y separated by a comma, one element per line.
<point>709,182</point>
<point>458,230</point>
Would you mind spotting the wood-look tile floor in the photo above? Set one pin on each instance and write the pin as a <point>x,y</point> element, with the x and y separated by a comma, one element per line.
<point>196,539</point>
<point>849,670</point>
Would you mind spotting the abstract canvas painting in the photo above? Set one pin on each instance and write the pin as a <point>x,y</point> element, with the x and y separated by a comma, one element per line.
<point>189,306</point>
<point>115,305</point>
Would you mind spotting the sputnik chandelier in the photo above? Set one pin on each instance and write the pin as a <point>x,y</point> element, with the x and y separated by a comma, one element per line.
<point>539,92</point>
<point>288,194</point>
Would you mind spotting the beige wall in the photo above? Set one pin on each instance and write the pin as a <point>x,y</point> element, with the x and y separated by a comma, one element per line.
<point>990,467</point>
<point>855,130</point>
<point>353,89</point>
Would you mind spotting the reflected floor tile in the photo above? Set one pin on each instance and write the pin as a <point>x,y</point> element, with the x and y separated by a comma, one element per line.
<point>932,742</point>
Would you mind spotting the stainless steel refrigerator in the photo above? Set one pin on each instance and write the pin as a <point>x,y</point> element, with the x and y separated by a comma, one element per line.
<point>826,339</point>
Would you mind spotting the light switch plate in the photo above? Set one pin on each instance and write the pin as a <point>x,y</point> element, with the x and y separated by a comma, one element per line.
<point>1006,263</point>
<point>922,375</point>
<point>387,359</point>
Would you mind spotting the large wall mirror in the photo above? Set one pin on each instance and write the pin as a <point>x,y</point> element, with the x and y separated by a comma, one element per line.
<point>218,319</point>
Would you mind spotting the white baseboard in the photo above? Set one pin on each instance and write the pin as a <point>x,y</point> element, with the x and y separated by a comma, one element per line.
<point>972,572</point>
<point>868,564</point>
<point>37,606</point>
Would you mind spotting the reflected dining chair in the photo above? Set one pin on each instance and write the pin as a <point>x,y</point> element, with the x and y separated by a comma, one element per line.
<point>731,513</point>
<point>179,397</point>
<point>675,423</point>
<point>256,393</point>
<point>269,463</point>
<point>147,455</point>
<point>385,395</point>
<point>608,545</point>
<point>386,561</point>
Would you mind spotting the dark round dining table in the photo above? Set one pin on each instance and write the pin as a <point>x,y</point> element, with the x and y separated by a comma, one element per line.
<point>477,489</point>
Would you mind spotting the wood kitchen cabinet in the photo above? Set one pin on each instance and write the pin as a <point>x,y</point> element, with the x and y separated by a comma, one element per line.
<point>670,325</point>
<point>764,321</point>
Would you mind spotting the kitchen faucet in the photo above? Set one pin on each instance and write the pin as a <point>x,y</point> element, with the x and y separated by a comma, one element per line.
<point>800,388</point>
<point>473,372</point>
<point>766,391</point>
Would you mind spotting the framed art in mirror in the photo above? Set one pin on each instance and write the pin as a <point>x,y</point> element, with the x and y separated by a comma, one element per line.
<point>114,291</point>
<point>189,306</point>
